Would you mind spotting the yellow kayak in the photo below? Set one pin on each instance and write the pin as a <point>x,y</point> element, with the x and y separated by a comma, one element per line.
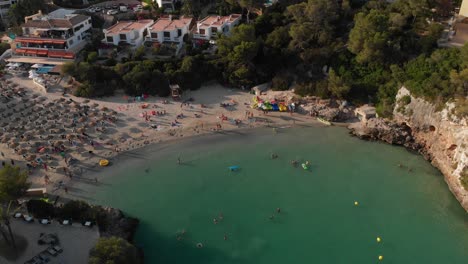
<point>103,162</point>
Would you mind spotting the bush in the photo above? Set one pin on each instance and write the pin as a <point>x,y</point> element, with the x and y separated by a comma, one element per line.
<point>4,47</point>
<point>464,178</point>
<point>280,83</point>
<point>110,62</point>
<point>92,57</point>
<point>405,100</point>
<point>113,250</point>
<point>78,211</point>
<point>40,209</point>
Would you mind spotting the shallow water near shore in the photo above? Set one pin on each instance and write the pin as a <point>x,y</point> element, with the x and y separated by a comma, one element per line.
<point>413,212</point>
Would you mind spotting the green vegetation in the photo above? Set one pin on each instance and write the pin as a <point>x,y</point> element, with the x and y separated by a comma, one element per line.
<point>464,178</point>
<point>113,250</point>
<point>360,51</point>
<point>18,11</point>
<point>13,185</point>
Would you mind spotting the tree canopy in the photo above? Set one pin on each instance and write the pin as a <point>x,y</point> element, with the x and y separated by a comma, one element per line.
<point>13,183</point>
<point>113,250</point>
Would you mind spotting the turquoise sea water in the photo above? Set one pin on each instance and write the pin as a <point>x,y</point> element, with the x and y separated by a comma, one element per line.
<point>414,213</point>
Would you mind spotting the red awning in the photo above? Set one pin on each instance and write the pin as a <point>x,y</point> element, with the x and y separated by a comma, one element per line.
<point>56,54</point>
<point>20,50</point>
<point>31,52</point>
<point>69,56</point>
<point>58,41</point>
<point>42,52</point>
<point>35,41</point>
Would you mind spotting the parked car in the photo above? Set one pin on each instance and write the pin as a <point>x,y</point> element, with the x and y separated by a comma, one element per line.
<point>97,9</point>
<point>112,12</point>
<point>92,10</point>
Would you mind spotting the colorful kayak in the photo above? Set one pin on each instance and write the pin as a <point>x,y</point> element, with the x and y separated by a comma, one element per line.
<point>103,162</point>
<point>328,123</point>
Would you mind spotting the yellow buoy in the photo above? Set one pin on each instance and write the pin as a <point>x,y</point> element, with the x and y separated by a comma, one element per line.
<point>378,239</point>
<point>356,203</point>
<point>380,257</point>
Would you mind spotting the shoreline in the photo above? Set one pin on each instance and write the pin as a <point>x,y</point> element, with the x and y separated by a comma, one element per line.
<point>128,119</point>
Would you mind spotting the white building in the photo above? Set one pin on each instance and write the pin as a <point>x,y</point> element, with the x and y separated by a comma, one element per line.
<point>169,30</point>
<point>127,32</point>
<point>210,26</point>
<point>52,37</point>
<point>464,9</point>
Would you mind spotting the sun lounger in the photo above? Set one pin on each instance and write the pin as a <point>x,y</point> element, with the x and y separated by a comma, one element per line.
<point>45,221</point>
<point>58,249</point>
<point>44,257</point>
<point>52,251</point>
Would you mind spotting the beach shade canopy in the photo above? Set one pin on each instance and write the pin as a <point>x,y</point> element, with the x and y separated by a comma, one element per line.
<point>43,150</point>
<point>104,108</point>
<point>58,144</point>
<point>22,151</point>
<point>81,130</point>
<point>82,119</point>
<point>30,157</point>
<point>91,124</point>
<point>13,144</point>
<point>95,105</point>
<point>85,101</point>
<point>70,136</point>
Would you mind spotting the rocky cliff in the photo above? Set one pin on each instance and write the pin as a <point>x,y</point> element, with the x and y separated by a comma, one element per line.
<point>440,136</point>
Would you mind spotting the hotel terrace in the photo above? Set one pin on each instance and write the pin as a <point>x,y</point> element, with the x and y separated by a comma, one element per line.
<point>51,40</point>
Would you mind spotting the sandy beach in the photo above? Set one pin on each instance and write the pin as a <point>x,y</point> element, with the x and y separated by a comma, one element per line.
<point>60,138</point>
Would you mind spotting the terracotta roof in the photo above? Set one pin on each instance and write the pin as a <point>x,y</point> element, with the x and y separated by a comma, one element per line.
<point>170,24</point>
<point>56,22</point>
<point>216,21</point>
<point>127,26</point>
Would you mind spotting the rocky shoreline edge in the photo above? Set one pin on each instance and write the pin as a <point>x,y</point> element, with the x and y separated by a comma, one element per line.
<point>112,222</point>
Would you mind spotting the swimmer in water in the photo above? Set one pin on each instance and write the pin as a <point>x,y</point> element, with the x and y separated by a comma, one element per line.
<point>221,216</point>
<point>274,156</point>
<point>294,163</point>
<point>278,210</point>
<point>199,245</point>
<point>215,221</point>
<point>225,237</point>
<point>272,217</point>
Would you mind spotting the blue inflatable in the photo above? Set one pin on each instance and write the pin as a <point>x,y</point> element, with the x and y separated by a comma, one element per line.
<point>234,168</point>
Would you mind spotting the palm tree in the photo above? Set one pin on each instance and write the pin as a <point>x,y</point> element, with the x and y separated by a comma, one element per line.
<point>5,218</point>
<point>13,185</point>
